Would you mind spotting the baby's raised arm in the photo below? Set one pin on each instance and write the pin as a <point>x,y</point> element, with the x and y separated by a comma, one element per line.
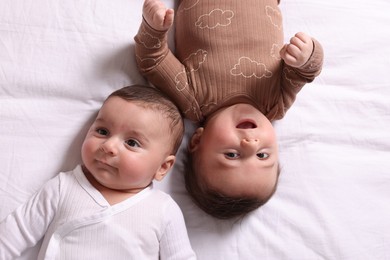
<point>157,15</point>
<point>298,51</point>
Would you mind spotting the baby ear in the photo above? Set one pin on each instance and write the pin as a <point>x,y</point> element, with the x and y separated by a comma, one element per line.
<point>165,167</point>
<point>195,139</point>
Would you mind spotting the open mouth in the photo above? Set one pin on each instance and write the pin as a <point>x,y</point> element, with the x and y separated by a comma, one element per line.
<point>247,124</point>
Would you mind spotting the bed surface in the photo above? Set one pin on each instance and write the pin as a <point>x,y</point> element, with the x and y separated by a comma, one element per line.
<point>60,59</point>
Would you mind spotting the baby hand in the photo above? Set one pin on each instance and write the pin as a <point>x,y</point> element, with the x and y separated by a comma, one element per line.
<point>157,15</point>
<point>298,51</point>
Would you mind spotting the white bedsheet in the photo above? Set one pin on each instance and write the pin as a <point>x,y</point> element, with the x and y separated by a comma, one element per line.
<point>60,59</point>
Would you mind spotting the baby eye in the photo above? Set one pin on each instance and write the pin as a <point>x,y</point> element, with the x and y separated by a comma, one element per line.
<point>102,131</point>
<point>132,143</point>
<point>232,155</point>
<point>262,156</point>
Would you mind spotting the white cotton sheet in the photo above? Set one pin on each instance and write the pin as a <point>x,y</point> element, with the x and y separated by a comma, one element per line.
<point>60,59</point>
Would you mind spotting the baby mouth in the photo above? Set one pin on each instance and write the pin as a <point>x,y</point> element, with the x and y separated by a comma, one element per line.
<point>103,162</point>
<point>246,125</point>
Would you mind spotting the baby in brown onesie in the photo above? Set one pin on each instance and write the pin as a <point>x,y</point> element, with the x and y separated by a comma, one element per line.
<point>232,74</point>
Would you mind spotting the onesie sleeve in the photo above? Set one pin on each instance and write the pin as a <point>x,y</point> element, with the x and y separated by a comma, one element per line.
<point>24,227</point>
<point>160,67</point>
<point>293,79</point>
<point>174,243</point>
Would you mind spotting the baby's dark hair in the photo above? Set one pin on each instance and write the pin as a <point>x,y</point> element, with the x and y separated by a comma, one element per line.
<point>215,203</point>
<point>152,98</point>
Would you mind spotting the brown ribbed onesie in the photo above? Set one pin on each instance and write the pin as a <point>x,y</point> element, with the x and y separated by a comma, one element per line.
<point>227,52</point>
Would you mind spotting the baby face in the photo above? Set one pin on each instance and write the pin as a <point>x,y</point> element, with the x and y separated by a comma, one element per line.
<point>127,146</point>
<point>236,153</point>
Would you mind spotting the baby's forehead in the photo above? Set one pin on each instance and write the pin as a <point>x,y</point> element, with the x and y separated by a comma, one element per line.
<point>114,101</point>
<point>159,108</point>
<point>120,108</point>
<point>158,113</point>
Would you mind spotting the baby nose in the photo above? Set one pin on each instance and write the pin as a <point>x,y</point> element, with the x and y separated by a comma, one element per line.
<point>250,143</point>
<point>110,147</point>
<point>249,140</point>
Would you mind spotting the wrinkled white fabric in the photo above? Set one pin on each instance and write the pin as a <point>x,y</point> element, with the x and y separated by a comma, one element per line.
<point>78,223</point>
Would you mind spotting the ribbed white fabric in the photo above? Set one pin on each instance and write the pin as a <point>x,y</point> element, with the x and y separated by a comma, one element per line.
<point>78,223</point>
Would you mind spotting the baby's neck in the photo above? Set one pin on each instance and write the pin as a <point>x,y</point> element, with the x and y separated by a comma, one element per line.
<point>112,196</point>
<point>116,196</point>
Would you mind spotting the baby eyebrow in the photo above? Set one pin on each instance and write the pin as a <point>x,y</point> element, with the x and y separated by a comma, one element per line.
<point>100,120</point>
<point>138,135</point>
<point>143,138</point>
<point>128,134</point>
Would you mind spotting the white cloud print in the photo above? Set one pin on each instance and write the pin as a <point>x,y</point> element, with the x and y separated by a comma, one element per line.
<point>274,16</point>
<point>249,68</point>
<point>150,41</point>
<point>287,72</point>
<point>215,18</point>
<point>196,59</point>
<point>181,80</point>
<point>189,4</point>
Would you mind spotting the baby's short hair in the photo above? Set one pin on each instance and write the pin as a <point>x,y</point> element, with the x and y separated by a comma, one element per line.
<point>152,98</point>
<point>216,203</point>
